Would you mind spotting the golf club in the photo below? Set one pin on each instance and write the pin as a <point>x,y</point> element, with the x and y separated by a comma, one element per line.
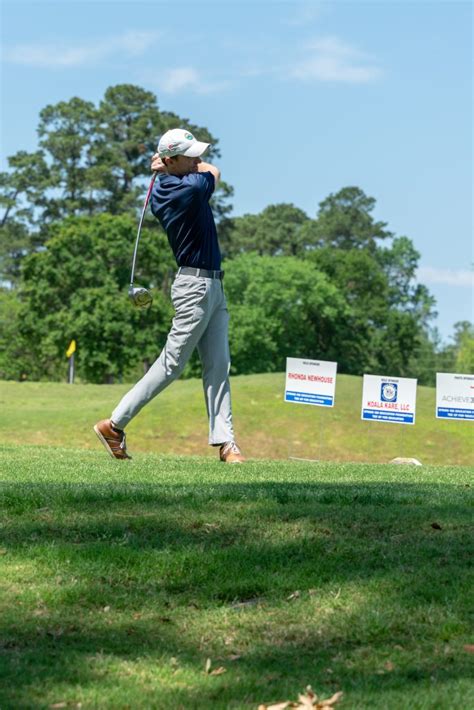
<point>139,295</point>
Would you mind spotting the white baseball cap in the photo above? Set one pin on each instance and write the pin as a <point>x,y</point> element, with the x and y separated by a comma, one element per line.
<point>178,141</point>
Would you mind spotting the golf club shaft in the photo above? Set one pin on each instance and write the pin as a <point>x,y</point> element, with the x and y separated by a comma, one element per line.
<point>145,204</point>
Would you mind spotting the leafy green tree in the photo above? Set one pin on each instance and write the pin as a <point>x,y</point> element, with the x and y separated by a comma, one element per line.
<point>432,355</point>
<point>400,263</point>
<point>458,356</point>
<point>15,242</point>
<point>423,361</point>
<point>388,312</point>
<point>67,133</point>
<point>76,287</point>
<point>391,312</point>
<point>280,307</point>
<point>392,345</point>
<point>16,359</point>
<point>358,276</point>
<point>344,221</point>
<point>276,231</point>
<point>21,188</point>
<point>465,356</point>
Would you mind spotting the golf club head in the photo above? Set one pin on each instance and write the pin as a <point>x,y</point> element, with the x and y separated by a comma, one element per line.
<point>140,296</point>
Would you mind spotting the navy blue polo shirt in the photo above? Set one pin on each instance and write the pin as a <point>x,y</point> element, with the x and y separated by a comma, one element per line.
<point>181,203</point>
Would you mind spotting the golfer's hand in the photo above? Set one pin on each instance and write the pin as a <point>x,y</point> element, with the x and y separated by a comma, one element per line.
<point>157,165</point>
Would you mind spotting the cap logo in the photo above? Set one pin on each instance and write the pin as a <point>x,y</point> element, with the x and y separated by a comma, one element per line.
<point>189,136</point>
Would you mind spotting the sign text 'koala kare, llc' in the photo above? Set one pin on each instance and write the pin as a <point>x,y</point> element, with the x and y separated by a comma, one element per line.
<point>389,399</point>
<point>310,382</point>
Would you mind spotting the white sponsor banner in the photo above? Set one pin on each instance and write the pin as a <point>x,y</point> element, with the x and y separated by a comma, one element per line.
<point>310,382</point>
<point>389,399</point>
<point>454,396</point>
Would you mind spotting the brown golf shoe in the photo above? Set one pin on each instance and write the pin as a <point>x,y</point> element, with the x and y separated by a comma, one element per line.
<point>113,439</point>
<point>230,453</point>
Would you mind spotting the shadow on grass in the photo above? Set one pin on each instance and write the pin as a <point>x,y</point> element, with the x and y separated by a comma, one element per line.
<point>169,560</point>
<point>83,658</point>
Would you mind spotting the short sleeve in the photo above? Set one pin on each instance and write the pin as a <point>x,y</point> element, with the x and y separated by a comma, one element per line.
<point>204,183</point>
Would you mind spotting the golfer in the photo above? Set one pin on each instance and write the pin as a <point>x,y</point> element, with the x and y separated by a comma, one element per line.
<point>180,201</point>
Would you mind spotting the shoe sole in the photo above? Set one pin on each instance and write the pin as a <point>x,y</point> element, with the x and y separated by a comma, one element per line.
<point>103,441</point>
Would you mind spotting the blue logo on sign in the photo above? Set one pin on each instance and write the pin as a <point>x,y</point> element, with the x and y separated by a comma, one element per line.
<point>389,392</point>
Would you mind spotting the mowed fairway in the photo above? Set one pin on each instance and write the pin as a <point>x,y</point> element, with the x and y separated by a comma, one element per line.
<point>119,581</point>
<point>266,427</point>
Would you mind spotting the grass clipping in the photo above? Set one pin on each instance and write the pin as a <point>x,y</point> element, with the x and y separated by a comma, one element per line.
<point>304,702</point>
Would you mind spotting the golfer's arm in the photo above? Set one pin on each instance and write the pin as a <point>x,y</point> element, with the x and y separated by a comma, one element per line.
<point>208,168</point>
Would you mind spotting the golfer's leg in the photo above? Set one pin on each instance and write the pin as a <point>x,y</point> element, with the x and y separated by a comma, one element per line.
<point>190,298</point>
<point>215,357</point>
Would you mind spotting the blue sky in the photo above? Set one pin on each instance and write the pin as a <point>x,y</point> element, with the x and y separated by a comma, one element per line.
<point>304,97</point>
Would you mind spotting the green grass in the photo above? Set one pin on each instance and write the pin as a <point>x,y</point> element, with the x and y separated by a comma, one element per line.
<point>266,426</point>
<point>118,581</point>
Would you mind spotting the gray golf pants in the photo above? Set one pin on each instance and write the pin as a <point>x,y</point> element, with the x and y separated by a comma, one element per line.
<point>201,320</point>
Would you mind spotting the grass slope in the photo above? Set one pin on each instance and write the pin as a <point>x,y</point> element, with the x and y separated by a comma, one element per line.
<point>118,581</point>
<point>266,426</point>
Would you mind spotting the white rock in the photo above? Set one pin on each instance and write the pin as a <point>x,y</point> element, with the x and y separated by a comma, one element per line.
<point>412,462</point>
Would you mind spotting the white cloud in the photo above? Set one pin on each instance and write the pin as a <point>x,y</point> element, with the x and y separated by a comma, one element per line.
<point>175,80</point>
<point>331,59</point>
<point>305,13</point>
<point>172,81</point>
<point>451,277</point>
<point>61,55</point>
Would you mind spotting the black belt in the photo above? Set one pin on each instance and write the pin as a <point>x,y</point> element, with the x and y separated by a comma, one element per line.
<point>204,273</point>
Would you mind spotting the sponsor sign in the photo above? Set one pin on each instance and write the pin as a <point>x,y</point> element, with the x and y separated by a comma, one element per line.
<point>389,399</point>
<point>310,382</point>
<point>454,396</point>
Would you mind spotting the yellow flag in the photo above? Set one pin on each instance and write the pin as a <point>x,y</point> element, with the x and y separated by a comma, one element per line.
<point>71,349</point>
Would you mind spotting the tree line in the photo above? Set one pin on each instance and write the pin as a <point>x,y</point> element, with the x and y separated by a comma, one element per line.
<point>339,285</point>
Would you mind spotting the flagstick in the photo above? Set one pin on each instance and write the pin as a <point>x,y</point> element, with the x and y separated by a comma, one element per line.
<point>71,370</point>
